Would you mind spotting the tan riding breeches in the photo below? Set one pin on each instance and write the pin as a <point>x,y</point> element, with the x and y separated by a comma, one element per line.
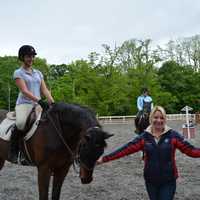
<point>22,113</point>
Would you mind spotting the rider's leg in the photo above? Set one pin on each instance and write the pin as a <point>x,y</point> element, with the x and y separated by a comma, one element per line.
<point>22,112</point>
<point>14,145</point>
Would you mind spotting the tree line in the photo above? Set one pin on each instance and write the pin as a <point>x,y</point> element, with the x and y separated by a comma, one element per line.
<point>110,82</point>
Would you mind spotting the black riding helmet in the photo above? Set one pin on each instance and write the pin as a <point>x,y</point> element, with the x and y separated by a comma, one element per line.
<point>144,90</point>
<point>26,50</point>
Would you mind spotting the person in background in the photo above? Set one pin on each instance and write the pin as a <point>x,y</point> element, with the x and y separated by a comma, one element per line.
<point>144,106</point>
<point>144,101</point>
<point>159,143</point>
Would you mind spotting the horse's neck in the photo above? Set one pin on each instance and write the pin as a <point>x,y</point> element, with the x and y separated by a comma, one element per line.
<point>145,112</point>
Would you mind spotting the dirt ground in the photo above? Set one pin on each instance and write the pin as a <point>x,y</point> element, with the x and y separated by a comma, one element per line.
<point>118,180</point>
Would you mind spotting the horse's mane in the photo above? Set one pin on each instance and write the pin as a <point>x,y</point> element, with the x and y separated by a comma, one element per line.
<point>75,114</point>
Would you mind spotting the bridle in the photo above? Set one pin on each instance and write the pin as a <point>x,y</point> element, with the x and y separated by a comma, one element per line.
<point>75,156</point>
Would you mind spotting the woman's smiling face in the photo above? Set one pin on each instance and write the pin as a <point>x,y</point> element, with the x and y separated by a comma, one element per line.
<point>28,60</point>
<point>158,120</point>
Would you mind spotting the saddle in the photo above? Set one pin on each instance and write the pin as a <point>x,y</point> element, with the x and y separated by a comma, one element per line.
<point>35,112</point>
<point>18,138</point>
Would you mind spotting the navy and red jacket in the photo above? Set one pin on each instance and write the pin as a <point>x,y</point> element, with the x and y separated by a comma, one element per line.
<point>159,159</point>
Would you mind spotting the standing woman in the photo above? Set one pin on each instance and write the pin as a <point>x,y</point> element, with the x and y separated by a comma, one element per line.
<point>31,86</point>
<point>159,143</point>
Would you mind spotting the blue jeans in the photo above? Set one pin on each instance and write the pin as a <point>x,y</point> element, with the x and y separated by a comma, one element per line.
<point>164,191</point>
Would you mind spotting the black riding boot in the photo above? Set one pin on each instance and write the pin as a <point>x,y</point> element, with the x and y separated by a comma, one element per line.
<point>14,145</point>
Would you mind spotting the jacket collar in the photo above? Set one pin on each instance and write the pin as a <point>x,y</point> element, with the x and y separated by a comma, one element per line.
<point>166,129</point>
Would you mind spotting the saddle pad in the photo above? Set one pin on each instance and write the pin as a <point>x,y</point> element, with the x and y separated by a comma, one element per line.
<point>6,128</point>
<point>7,124</point>
<point>11,115</point>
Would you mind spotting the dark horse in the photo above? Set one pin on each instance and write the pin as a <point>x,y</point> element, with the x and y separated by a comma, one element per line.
<point>141,121</point>
<point>65,133</point>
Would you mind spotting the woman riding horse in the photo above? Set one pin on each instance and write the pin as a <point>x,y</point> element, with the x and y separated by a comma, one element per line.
<point>144,105</point>
<point>66,132</point>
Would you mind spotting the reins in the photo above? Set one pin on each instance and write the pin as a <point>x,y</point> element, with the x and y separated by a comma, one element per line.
<point>60,135</point>
<point>75,159</point>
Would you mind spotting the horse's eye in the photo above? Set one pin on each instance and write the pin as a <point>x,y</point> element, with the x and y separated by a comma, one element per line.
<point>87,137</point>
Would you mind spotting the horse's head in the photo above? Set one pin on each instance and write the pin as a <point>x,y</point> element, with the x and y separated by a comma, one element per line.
<point>72,121</point>
<point>141,121</point>
<point>91,148</point>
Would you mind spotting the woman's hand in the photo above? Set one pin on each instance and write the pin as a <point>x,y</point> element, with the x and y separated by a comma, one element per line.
<point>99,161</point>
<point>50,100</point>
<point>43,104</point>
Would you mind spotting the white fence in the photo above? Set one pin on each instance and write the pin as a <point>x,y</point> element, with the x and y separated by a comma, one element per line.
<point>130,118</point>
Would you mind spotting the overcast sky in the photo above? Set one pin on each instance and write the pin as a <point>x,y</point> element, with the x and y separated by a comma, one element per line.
<point>65,30</point>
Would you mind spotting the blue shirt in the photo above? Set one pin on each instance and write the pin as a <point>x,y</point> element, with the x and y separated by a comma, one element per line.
<point>140,102</point>
<point>33,83</point>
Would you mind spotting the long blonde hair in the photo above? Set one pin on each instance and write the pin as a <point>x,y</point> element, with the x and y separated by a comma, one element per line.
<point>157,108</point>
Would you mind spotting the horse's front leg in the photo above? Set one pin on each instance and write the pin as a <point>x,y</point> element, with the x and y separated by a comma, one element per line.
<point>58,178</point>
<point>4,145</point>
<point>44,175</point>
<point>2,161</point>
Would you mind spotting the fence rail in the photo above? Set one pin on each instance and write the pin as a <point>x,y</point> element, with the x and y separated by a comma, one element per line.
<point>130,118</point>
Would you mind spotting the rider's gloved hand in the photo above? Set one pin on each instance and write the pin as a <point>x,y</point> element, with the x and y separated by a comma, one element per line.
<point>43,104</point>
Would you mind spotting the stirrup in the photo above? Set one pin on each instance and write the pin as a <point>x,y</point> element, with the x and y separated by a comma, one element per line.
<point>21,159</point>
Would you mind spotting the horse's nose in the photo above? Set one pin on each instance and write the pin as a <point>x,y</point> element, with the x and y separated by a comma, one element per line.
<point>86,180</point>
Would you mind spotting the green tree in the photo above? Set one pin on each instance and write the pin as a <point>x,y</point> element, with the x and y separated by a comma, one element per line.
<point>181,83</point>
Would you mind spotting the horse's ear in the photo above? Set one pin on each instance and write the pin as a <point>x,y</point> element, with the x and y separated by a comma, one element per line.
<point>107,135</point>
